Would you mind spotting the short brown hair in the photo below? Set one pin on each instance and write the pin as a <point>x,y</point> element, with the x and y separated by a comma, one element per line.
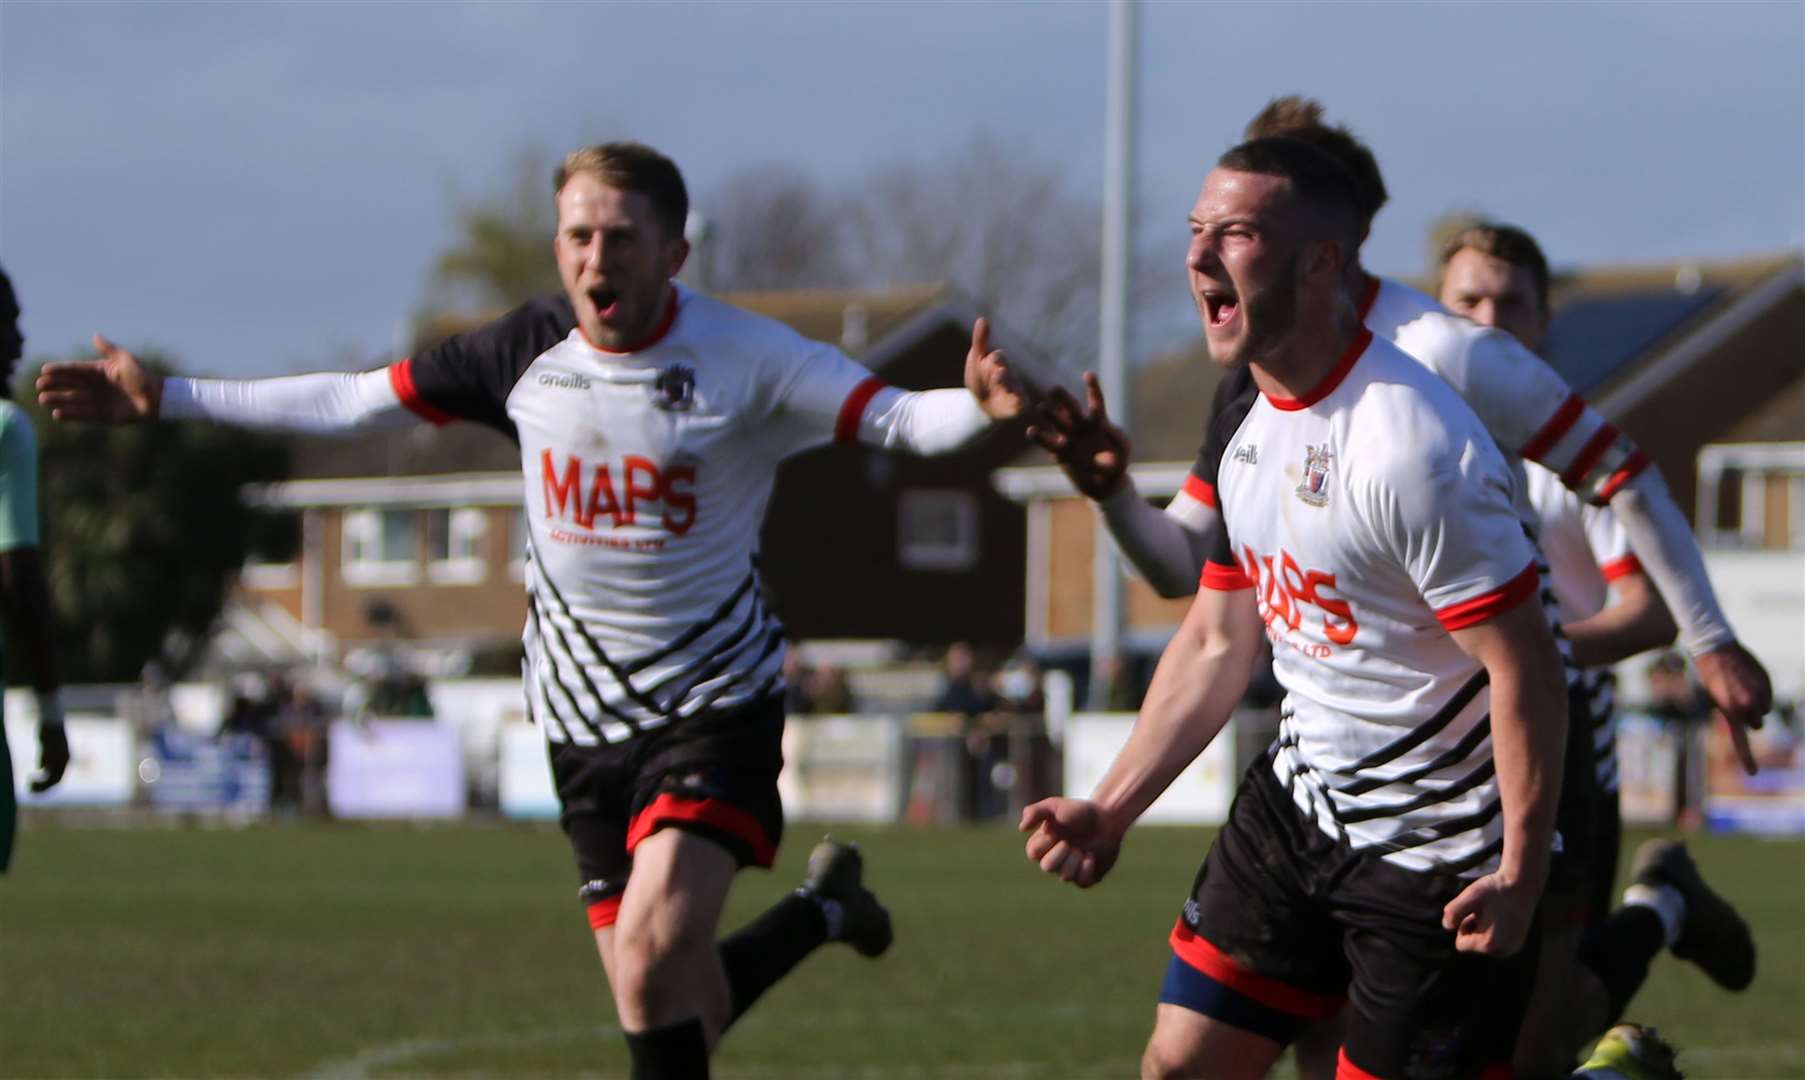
<point>631,166</point>
<point>1298,117</point>
<point>1506,242</point>
<point>1316,178</point>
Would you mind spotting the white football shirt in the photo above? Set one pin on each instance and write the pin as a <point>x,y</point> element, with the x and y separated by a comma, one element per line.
<point>1373,516</point>
<point>647,473</point>
<point>1587,549</point>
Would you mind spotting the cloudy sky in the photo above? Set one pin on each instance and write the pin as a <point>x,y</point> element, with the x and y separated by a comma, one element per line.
<point>263,187</point>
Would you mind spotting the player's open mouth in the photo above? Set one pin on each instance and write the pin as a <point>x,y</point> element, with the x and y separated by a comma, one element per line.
<point>607,302</point>
<point>1221,307</point>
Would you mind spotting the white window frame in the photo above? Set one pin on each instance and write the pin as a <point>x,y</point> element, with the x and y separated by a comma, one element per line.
<point>361,533</point>
<point>466,531</point>
<point>952,556</point>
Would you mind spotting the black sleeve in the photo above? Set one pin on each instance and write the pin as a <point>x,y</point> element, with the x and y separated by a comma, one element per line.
<point>469,376</point>
<point>1235,396</point>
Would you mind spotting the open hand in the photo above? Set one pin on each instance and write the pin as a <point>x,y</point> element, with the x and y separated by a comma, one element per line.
<point>1000,392</point>
<point>1093,452</point>
<point>116,388</point>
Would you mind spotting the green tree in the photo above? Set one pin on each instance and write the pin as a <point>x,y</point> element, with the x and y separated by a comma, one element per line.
<point>144,533</point>
<point>502,254</point>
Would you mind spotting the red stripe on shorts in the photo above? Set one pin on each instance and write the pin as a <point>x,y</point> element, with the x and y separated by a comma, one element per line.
<point>602,913</point>
<point>727,817</point>
<point>1285,998</point>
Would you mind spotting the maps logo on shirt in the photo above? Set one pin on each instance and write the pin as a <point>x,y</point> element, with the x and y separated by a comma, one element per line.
<point>674,390</point>
<point>1314,491</point>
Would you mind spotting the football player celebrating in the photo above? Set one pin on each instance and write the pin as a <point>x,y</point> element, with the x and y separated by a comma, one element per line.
<point>1389,850</point>
<point>1497,276</point>
<point>1529,409</point>
<point>651,420</point>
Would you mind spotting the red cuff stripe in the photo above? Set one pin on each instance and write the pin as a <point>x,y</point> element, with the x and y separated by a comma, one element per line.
<point>1589,454</point>
<point>1285,998</point>
<point>1632,467</point>
<point>1497,1070</point>
<point>602,913</point>
<point>846,428</point>
<point>1623,567</point>
<point>721,815</point>
<point>1223,578</point>
<point>1497,602</point>
<point>1347,1070</point>
<point>1556,426</point>
<point>1200,489</point>
<point>401,378</point>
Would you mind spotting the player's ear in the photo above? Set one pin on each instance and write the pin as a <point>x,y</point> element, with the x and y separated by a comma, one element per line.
<point>676,253</point>
<point>1322,263</point>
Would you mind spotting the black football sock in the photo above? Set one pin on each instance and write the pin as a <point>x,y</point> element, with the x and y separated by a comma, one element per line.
<point>766,949</point>
<point>1620,949</point>
<point>674,1052</point>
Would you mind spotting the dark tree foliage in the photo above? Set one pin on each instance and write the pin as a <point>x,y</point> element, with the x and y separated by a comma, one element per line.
<point>145,529</point>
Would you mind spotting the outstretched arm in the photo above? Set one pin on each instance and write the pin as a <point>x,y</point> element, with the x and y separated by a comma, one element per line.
<point>932,422</point>
<point>1167,547</point>
<point>1636,621</point>
<point>1735,681</point>
<point>1200,679</point>
<point>117,388</point>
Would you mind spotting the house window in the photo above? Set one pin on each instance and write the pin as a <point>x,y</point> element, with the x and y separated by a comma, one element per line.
<point>937,529</point>
<point>273,548</point>
<point>454,545</point>
<point>381,547</point>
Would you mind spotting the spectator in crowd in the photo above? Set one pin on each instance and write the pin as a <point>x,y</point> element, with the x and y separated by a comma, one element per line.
<point>832,690</point>
<point>966,692</point>
<point>798,683</point>
<point>1678,702</point>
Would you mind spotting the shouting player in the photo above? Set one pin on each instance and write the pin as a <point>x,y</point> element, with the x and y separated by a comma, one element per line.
<point>1497,276</point>
<point>24,594</point>
<point>1528,408</point>
<point>651,421</point>
<point>1391,846</point>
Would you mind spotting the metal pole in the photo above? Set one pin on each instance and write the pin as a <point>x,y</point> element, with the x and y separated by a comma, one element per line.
<point>1118,184</point>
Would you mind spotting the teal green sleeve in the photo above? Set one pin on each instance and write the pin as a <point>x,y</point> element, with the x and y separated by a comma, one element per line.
<point>18,480</point>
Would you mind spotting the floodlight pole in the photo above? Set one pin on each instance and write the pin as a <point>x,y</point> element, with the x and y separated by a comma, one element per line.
<point>1118,185</point>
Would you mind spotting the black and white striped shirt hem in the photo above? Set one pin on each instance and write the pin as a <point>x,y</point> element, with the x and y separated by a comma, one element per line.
<point>1427,800</point>
<point>582,692</point>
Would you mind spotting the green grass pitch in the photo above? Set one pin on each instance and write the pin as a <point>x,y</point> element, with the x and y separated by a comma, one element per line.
<point>350,951</point>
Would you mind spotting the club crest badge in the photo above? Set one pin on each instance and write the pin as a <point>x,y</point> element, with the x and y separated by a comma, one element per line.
<point>674,390</point>
<point>1314,491</point>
